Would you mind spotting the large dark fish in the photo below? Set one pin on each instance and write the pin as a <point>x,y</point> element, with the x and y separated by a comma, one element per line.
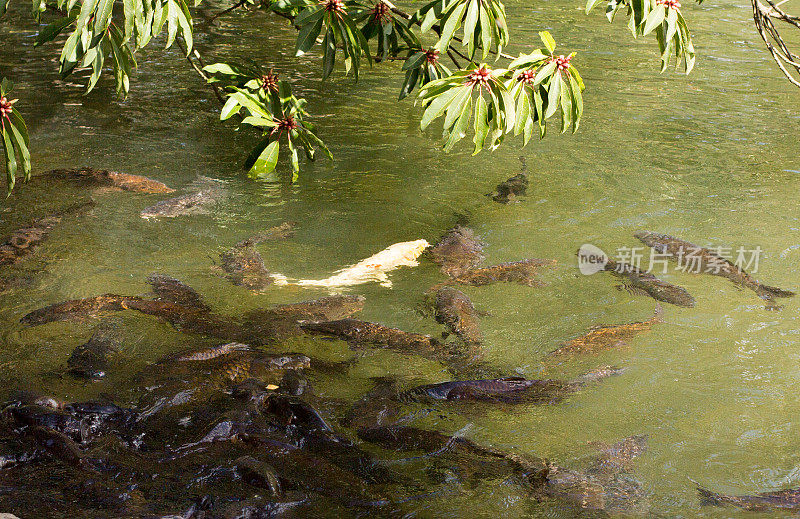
<point>282,321</point>
<point>787,500</point>
<point>379,406</point>
<point>244,267</point>
<point>79,309</point>
<point>605,337</point>
<point>61,447</point>
<point>405,438</point>
<point>24,240</point>
<point>607,484</point>
<point>192,203</point>
<point>279,232</point>
<point>91,360</point>
<point>511,189</point>
<point>509,390</point>
<point>169,289</point>
<point>259,474</point>
<point>112,179</point>
<point>522,272</point>
<point>640,282</point>
<point>458,250</point>
<point>363,332</point>
<point>455,310</point>
<point>708,262</point>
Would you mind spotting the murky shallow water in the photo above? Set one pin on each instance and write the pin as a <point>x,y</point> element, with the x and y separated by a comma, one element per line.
<point>711,157</point>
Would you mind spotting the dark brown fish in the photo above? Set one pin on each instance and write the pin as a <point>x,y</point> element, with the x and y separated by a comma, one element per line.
<point>244,267</point>
<point>404,438</point>
<point>60,446</point>
<point>788,500</point>
<point>189,319</point>
<point>279,232</point>
<point>511,189</point>
<point>259,474</point>
<point>702,260</point>
<point>123,181</point>
<point>209,193</point>
<point>169,289</point>
<point>618,457</point>
<point>92,359</point>
<point>458,250</point>
<point>605,337</point>
<point>522,272</point>
<point>282,321</point>
<point>455,310</point>
<point>640,282</point>
<point>378,407</point>
<point>363,332</point>
<point>25,240</point>
<point>509,390</point>
<point>203,354</point>
<point>79,309</point>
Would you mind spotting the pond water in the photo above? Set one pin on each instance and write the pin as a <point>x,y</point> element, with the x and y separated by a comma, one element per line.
<point>711,157</point>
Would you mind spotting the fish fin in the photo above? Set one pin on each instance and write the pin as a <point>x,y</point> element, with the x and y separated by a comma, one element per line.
<point>767,292</point>
<point>280,279</point>
<point>636,291</point>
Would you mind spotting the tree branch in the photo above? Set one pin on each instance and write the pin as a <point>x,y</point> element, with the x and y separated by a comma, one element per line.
<point>198,67</point>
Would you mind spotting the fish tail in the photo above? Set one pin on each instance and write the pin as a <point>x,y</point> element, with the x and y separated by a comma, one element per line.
<point>282,281</point>
<point>768,292</point>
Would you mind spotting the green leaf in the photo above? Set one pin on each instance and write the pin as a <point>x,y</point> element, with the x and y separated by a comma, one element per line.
<point>309,33</point>
<point>50,32</point>
<point>553,95</point>
<point>523,112</point>
<point>654,19</point>
<point>21,143</point>
<point>266,161</point>
<point>549,42</point>
<point>450,26</point>
<point>577,103</point>
<point>481,124</point>
<point>470,22</point>
<point>437,107</point>
<point>11,160</point>
<point>414,61</point>
<point>457,106</point>
<point>460,127</point>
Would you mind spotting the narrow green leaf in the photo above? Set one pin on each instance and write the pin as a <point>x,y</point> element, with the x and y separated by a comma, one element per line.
<point>549,42</point>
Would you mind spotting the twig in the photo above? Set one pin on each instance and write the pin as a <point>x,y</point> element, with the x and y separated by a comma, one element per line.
<point>783,56</point>
<point>235,6</point>
<point>198,67</point>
